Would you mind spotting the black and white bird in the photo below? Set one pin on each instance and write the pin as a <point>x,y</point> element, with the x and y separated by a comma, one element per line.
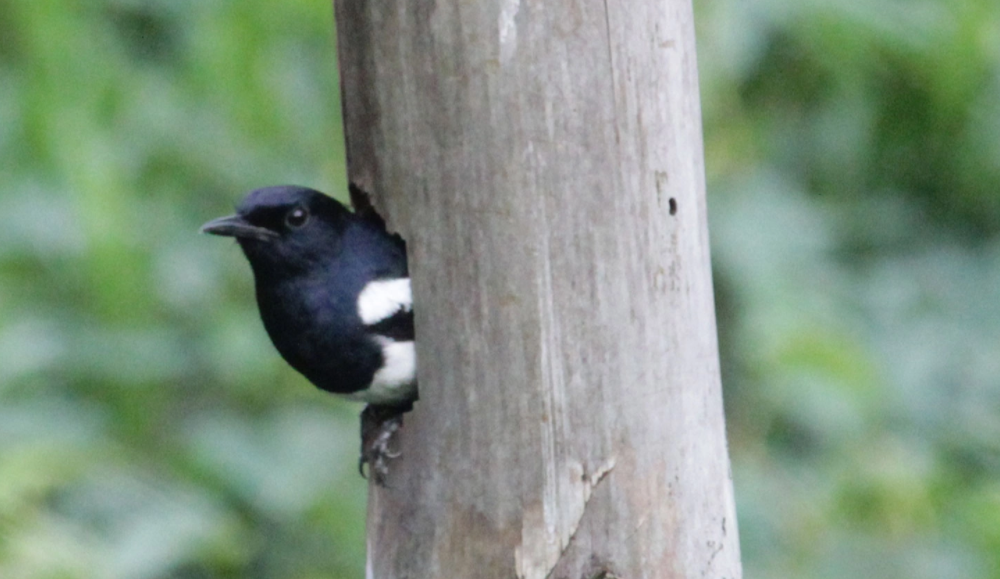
<point>333,291</point>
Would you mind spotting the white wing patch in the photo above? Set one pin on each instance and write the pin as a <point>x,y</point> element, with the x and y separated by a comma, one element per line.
<point>381,299</point>
<point>396,380</point>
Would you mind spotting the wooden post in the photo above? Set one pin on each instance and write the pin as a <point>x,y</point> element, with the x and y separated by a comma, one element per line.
<point>544,162</point>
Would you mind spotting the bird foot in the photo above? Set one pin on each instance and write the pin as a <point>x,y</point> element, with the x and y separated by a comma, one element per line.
<point>378,424</point>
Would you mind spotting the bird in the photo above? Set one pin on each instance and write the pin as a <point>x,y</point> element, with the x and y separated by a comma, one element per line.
<point>333,291</point>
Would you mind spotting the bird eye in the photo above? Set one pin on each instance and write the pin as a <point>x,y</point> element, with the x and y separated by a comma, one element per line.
<point>296,217</point>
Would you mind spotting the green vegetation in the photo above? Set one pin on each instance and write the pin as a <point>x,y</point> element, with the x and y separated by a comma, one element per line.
<point>853,153</point>
<point>147,430</point>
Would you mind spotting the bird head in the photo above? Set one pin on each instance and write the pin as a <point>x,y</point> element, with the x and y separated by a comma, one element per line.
<point>284,228</point>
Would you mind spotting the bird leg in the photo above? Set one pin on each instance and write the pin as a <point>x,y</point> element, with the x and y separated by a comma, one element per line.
<point>378,424</point>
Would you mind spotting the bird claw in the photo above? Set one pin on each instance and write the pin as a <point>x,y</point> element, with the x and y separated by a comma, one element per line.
<point>377,427</point>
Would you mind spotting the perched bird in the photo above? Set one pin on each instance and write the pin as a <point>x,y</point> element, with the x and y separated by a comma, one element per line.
<point>333,291</point>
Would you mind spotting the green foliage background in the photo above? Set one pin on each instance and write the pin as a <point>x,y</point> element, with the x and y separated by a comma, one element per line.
<point>147,430</point>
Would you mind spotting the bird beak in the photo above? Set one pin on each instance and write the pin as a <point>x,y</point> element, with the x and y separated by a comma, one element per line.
<point>236,226</point>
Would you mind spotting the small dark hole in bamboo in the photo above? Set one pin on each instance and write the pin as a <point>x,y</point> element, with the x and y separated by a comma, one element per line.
<point>673,206</point>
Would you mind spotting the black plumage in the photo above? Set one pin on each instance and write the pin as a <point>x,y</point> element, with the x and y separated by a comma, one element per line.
<point>333,292</point>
